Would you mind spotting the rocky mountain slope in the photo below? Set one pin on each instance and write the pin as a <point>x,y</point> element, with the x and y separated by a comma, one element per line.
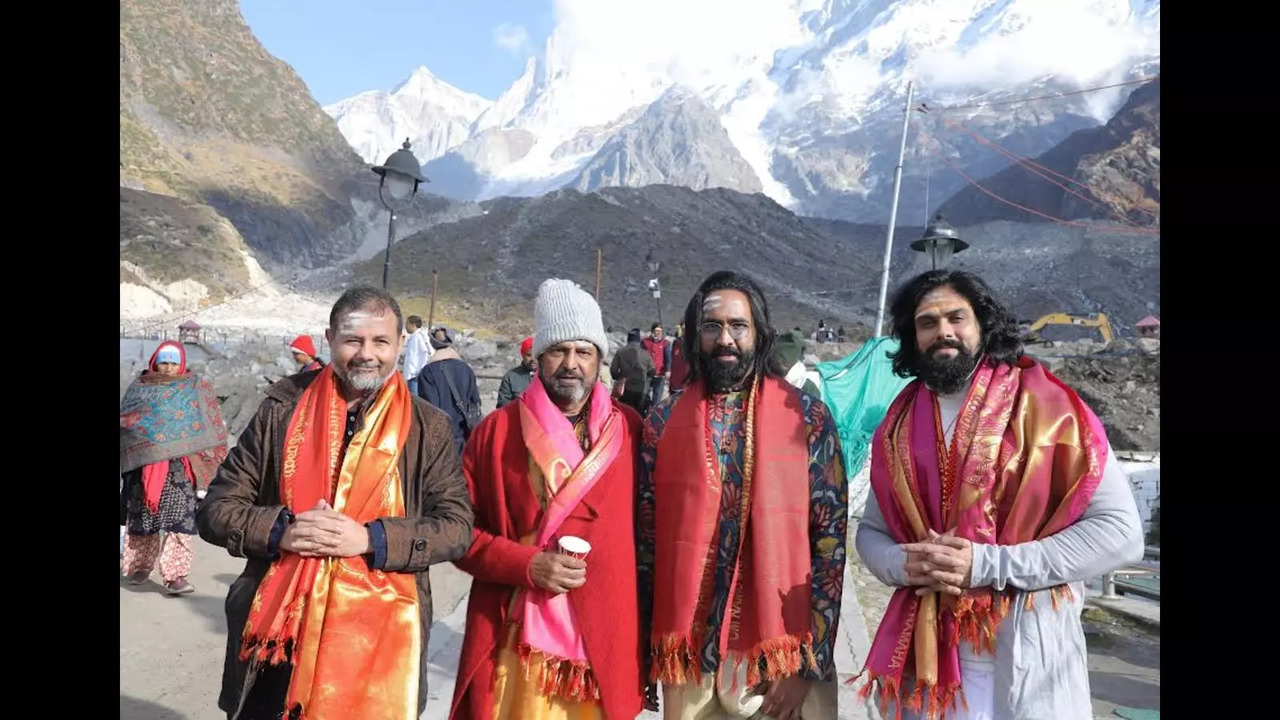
<point>208,116</point>
<point>1037,268</point>
<point>1112,172</point>
<point>809,92</point>
<point>166,241</point>
<point>678,140</point>
<point>229,170</point>
<point>490,265</point>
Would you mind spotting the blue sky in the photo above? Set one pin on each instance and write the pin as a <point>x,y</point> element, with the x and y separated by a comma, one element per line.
<point>344,47</point>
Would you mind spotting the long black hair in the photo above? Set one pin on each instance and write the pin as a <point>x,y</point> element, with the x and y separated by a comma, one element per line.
<point>764,364</point>
<point>1001,341</point>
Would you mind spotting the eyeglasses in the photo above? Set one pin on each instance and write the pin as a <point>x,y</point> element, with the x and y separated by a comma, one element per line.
<point>713,330</point>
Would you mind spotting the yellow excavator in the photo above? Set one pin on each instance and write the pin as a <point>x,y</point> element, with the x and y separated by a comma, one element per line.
<point>1031,331</point>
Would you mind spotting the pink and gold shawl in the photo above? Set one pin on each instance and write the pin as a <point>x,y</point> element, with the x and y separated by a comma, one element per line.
<point>1025,458</point>
<point>550,638</point>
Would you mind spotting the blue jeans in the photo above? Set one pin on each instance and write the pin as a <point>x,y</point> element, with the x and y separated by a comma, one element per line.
<point>656,386</point>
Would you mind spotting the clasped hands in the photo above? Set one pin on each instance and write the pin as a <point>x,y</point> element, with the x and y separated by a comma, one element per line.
<point>942,563</point>
<point>325,532</point>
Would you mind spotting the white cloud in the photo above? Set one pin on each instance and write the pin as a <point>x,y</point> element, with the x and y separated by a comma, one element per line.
<point>1073,41</point>
<point>690,41</point>
<point>512,38</point>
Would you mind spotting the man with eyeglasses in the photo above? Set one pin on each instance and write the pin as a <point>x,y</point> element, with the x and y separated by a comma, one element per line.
<point>742,526</point>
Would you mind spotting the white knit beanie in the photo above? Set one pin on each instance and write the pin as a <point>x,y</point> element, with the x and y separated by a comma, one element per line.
<point>565,312</point>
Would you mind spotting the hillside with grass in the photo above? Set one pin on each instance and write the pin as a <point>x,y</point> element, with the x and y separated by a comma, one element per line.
<point>223,149</point>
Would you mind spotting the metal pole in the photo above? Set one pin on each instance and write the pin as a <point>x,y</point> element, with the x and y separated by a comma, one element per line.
<point>431,312</point>
<point>386,265</point>
<point>893,213</point>
<point>658,299</point>
<point>1109,586</point>
<point>599,257</point>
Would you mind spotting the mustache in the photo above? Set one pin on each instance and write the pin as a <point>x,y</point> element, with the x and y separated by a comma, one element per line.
<point>942,344</point>
<point>727,351</point>
<point>569,375</point>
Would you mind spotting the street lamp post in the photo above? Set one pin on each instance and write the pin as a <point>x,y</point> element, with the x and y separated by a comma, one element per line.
<point>654,284</point>
<point>400,176</point>
<point>940,241</point>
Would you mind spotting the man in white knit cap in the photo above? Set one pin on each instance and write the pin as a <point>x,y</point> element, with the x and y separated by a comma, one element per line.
<point>552,476</point>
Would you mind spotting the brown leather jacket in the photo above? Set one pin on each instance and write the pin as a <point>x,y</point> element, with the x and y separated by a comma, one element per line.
<point>243,503</point>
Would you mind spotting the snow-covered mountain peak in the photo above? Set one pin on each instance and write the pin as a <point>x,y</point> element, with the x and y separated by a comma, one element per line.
<point>809,91</point>
<point>423,86</point>
<point>434,115</point>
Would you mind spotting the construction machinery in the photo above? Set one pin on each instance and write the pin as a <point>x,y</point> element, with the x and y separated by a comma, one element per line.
<point>1031,331</point>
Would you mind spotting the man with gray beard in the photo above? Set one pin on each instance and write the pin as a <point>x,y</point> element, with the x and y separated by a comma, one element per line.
<point>342,491</point>
<point>552,476</point>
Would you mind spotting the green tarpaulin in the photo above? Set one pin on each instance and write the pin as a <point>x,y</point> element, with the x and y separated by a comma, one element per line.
<point>858,390</point>
<point>1136,714</point>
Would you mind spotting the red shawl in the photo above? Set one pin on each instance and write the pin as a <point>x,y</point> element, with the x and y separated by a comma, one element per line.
<point>770,614</point>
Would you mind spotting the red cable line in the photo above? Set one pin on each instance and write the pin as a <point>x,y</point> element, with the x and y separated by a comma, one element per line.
<point>1032,166</point>
<point>1090,226</point>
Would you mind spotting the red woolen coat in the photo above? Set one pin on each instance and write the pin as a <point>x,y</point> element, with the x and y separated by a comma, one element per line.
<point>496,467</point>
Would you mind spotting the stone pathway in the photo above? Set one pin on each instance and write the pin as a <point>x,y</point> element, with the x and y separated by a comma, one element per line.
<point>171,649</point>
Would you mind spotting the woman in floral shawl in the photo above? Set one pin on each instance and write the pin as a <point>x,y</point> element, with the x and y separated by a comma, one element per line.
<point>172,440</point>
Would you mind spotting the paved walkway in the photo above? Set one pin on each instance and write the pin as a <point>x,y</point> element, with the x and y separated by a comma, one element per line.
<point>171,649</point>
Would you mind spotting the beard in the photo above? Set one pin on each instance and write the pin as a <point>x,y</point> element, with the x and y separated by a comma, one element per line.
<point>947,375</point>
<point>725,377</point>
<point>364,378</point>
<point>568,387</point>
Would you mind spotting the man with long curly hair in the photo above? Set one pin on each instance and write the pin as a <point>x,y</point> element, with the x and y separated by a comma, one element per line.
<point>995,495</point>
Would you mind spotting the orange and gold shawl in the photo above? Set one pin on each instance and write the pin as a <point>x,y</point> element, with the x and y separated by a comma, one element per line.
<point>351,633</point>
<point>1023,462</point>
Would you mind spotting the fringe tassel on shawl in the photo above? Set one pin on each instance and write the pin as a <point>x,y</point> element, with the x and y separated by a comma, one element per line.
<point>931,701</point>
<point>273,651</point>
<point>978,618</point>
<point>676,663</point>
<point>674,660</point>
<point>557,677</point>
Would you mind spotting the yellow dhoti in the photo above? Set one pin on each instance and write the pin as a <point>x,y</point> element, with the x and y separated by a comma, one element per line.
<point>516,697</point>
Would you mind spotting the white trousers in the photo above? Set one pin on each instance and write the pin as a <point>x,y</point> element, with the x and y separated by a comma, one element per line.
<point>706,701</point>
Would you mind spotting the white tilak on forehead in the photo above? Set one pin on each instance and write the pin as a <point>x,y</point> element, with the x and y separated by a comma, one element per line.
<point>356,319</point>
<point>712,302</point>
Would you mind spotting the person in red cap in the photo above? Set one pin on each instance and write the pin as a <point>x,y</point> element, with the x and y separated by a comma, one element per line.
<point>304,351</point>
<point>518,377</point>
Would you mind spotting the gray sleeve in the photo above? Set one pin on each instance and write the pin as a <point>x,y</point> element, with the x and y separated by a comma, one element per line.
<point>879,553</point>
<point>1108,536</point>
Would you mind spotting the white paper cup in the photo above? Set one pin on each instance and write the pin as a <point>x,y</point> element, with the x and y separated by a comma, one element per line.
<point>574,547</point>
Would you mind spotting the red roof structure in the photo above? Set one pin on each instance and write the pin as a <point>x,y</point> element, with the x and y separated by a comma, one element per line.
<point>1149,321</point>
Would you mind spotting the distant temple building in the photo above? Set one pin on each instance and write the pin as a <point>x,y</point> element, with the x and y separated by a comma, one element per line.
<point>189,333</point>
<point>1148,327</point>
